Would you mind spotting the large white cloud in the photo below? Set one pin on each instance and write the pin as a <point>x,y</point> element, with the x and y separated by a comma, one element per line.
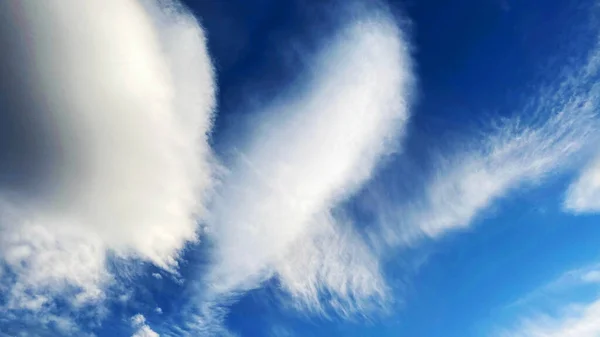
<point>124,96</point>
<point>584,194</point>
<point>273,213</point>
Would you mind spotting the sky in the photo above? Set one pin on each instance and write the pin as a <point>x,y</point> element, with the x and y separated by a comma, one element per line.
<point>287,168</point>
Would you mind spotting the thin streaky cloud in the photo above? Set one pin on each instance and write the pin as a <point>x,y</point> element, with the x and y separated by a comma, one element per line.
<point>573,279</point>
<point>138,322</point>
<point>583,195</point>
<point>576,320</point>
<point>272,217</point>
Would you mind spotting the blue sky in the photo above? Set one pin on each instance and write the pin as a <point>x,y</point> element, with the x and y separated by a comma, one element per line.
<point>300,168</point>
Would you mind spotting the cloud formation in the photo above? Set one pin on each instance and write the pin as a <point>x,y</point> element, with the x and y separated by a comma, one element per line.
<point>547,137</point>
<point>583,195</point>
<point>467,184</point>
<point>274,213</point>
<point>577,320</point>
<point>113,112</point>
<point>570,319</point>
<point>123,95</point>
<point>142,329</point>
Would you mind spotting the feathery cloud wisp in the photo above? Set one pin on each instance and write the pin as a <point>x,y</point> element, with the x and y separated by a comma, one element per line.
<point>273,215</point>
<point>577,321</point>
<point>583,195</point>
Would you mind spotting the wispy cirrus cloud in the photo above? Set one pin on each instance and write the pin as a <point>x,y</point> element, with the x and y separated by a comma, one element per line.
<point>114,108</point>
<point>576,320</point>
<point>583,195</point>
<point>274,213</point>
<point>120,97</point>
<point>550,134</point>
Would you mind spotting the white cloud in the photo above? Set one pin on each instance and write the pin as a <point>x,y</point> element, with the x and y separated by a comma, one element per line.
<point>592,276</point>
<point>576,320</point>
<point>555,312</point>
<point>45,260</point>
<point>143,330</point>
<point>273,213</point>
<point>334,263</point>
<point>548,136</point>
<point>562,317</point>
<point>517,155</point>
<point>138,320</point>
<point>125,94</point>
<point>583,195</point>
<point>561,287</point>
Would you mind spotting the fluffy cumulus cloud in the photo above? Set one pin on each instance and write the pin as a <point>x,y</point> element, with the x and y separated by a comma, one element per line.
<point>274,212</point>
<point>113,112</point>
<point>106,107</point>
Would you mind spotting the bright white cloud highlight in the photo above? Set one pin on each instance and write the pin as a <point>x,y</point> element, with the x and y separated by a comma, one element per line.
<point>126,94</point>
<point>273,215</point>
<point>577,320</point>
